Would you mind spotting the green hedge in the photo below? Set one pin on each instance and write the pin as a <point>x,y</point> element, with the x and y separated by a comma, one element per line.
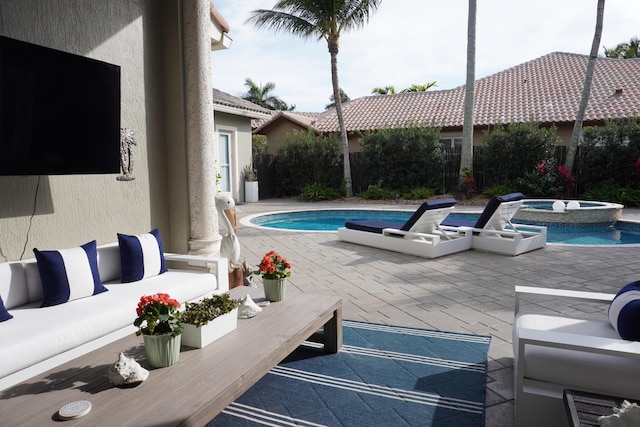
<point>402,159</point>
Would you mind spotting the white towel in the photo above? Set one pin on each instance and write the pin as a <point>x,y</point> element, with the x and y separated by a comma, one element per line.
<point>627,415</point>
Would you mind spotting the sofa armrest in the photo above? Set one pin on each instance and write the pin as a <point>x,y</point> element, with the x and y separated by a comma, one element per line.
<point>579,342</point>
<point>561,293</point>
<point>217,266</point>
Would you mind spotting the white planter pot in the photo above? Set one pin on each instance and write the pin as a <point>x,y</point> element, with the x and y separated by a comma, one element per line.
<point>202,336</point>
<point>251,191</point>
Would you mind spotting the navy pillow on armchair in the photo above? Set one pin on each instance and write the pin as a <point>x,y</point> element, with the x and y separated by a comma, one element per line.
<point>624,312</point>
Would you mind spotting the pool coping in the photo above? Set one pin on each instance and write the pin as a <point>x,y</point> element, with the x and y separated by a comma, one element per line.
<point>246,221</point>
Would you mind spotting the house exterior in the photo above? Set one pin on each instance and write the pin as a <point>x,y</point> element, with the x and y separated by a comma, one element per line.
<point>164,49</point>
<point>232,117</point>
<point>547,89</point>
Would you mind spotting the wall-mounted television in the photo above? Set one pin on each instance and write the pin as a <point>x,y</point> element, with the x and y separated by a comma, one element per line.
<point>59,112</point>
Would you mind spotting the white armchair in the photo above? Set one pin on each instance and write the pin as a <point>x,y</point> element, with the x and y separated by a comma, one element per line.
<point>553,353</point>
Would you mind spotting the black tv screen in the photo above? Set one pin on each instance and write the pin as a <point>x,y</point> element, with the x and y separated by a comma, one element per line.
<point>59,112</point>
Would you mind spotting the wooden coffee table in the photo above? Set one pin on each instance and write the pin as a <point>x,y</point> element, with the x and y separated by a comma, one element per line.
<point>190,393</point>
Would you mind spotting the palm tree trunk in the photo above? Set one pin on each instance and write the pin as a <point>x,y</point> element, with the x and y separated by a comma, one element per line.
<point>466,156</point>
<point>333,50</point>
<point>586,90</point>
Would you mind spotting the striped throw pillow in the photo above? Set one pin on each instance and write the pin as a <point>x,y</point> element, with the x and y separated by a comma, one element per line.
<point>69,274</point>
<point>141,256</point>
<point>624,312</point>
<point>4,314</point>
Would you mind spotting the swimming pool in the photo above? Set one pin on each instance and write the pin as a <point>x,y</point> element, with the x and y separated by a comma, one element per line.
<point>329,220</point>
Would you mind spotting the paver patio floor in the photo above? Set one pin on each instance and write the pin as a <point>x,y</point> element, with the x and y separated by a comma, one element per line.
<point>466,292</point>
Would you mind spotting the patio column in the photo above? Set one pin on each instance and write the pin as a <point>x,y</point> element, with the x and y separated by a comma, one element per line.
<point>202,149</point>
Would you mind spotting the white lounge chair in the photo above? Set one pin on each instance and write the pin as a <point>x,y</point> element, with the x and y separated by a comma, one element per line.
<point>422,235</point>
<point>494,231</point>
<point>553,353</point>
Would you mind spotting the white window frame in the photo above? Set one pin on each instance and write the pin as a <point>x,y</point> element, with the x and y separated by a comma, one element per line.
<point>232,141</point>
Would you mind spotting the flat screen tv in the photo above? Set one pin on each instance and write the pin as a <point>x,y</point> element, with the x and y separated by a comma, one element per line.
<point>59,112</point>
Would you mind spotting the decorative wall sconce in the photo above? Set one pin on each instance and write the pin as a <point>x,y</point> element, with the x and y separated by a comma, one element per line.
<point>127,142</point>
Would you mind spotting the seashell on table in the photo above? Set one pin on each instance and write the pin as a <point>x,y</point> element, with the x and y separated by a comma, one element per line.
<point>126,371</point>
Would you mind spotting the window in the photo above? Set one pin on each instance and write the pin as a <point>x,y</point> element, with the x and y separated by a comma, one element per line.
<point>451,142</point>
<point>225,162</point>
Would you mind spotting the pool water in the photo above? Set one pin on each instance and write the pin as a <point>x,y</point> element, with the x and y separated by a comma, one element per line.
<point>622,232</point>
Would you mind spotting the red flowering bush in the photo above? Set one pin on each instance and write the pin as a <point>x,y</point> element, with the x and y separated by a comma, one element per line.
<point>157,315</point>
<point>273,266</point>
<point>547,179</point>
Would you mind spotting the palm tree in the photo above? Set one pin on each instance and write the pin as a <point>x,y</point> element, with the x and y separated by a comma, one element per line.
<point>323,20</point>
<point>343,98</point>
<point>624,50</point>
<point>262,95</point>
<point>591,65</point>
<point>466,155</point>
<point>387,90</point>
<point>419,88</point>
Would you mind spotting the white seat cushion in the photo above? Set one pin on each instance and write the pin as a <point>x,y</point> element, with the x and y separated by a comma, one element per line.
<point>613,375</point>
<point>36,334</point>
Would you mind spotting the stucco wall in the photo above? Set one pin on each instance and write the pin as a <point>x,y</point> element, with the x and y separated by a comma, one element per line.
<point>63,211</point>
<point>240,129</point>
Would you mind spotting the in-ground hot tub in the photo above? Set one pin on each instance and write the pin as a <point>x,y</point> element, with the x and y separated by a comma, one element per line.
<point>568,211</point>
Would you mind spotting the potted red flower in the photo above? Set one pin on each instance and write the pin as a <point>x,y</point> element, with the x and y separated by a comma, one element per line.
<point>274,270</point>
<point>158,323</point>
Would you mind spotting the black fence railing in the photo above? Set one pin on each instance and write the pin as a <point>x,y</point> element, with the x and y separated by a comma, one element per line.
<point>266,166</point>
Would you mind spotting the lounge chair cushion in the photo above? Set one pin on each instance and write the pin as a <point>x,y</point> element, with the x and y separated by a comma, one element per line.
<point>372,225</point>
<point>493,204</point>
<point>624,312</point>
<point>376,226</point>
<point>141,256</point>
<point>69,274</point>
<point>428,205</point>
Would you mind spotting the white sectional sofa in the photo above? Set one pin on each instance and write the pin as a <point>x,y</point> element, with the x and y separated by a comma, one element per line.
<point>39,338</point>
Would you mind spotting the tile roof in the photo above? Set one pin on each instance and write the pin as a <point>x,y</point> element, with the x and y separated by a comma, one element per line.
<point>224,99</point>
<point>547,89</point>
<point>304,119</point>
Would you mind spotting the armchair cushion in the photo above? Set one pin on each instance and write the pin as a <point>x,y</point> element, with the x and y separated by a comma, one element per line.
<point>573,369</point>
<point>141,256</point>
<point>624,312</point>
<point>69,274</point>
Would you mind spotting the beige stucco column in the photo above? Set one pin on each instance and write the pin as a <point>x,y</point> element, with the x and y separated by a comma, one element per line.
<point>202,149</point>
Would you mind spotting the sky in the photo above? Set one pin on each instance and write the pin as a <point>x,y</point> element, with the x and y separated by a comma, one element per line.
<point>410,42</point>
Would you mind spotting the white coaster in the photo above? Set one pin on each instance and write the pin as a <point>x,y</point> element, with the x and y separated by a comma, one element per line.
<point>74,410</point>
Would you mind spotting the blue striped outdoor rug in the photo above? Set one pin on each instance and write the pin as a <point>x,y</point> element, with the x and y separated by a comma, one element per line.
<point>384,376</point>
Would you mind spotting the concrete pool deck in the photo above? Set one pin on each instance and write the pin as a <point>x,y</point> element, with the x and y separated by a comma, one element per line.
<point>466,292</point>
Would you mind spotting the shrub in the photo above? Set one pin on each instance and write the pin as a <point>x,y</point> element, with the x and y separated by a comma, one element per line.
<point>511,149</point>
<point>419,193</point>
<point>307,158</point>
<point>609,154</point>
<point>629,197</point>
<point>408,157</point>
<point>547,179</point>
<point>499,190</point>
<point>376,192</point>
<point>317,192</point>
<point>259,144</point>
